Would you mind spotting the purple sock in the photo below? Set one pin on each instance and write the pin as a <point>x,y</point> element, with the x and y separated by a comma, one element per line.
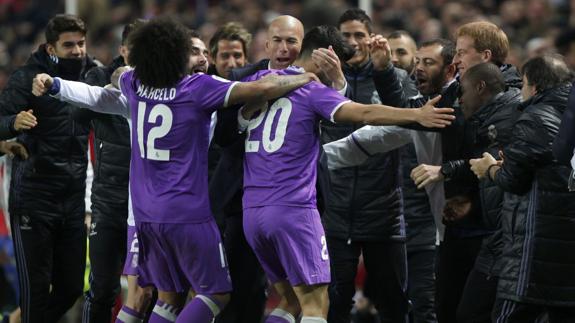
<point>201,309</point>
<point>128,315</point>
<point>163,313</point>
<point>280,316</point>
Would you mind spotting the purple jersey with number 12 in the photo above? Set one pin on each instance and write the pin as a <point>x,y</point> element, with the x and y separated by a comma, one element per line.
<point>170,138</point>
<point>282,145</point>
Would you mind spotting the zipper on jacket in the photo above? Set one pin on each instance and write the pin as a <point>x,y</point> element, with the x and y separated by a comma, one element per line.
<point>351,210</point>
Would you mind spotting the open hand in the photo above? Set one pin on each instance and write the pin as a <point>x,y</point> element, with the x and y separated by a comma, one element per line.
<point>25,120</point>
<point>432,117</point>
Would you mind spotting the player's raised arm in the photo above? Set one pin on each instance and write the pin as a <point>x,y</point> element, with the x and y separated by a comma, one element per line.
<point>375,114</point>
<point>269,87</point>
<point>104,100</point>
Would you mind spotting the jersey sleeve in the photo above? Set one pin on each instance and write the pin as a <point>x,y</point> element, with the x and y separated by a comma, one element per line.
<point>213,92</point>
<point>325,101</point>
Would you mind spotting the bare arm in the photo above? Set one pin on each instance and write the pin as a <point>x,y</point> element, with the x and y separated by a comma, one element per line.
<point>270,87</point>
<point>375,114</point>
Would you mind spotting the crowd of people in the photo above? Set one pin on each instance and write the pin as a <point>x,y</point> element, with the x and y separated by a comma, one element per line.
<point>228,163</point>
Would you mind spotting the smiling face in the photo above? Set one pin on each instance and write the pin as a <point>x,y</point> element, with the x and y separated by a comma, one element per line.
<point>430,70</point>
<point>467,55</point>
<point>70,44</point>
<point>357,36</point>
<point>283,44</point>
<point>198,57</point>
<point>230,55</point>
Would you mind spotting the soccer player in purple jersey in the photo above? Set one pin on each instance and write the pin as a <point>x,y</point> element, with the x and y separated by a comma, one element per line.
<point>179,244</point>
<point>281,221</point>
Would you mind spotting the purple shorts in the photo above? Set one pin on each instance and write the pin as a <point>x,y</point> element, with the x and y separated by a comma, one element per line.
<point>131,264</point>
<point>177,257</point>
<point>289,243</point>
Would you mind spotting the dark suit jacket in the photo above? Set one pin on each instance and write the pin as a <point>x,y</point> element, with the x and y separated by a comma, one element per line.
<point>226,184</point>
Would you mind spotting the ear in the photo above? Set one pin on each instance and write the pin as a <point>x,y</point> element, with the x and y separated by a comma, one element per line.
<point>451,70</point>
<point>267,46</point>
<point>487,55</point>
<point>50,49</point>
<point>481,87</point>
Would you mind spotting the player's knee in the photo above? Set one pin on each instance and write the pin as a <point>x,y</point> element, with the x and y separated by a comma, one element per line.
<point>290,303</point>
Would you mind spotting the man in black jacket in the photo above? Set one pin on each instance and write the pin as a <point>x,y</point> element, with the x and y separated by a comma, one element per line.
<point>364,211</point>
<point>229,51</point>
<point>538,210</point>
<point>47,190</point>
<point>490,112</point>
<point>109,204</point>
<point>477,42</point>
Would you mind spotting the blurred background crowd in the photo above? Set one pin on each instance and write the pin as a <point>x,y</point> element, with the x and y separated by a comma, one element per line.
<point>533,26</point>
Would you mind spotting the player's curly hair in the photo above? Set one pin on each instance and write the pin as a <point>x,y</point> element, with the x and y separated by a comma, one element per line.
<point>160,52</point>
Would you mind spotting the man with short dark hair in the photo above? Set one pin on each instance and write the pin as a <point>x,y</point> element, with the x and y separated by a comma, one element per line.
<point>364,211</point>
<point>538,209</point>
<point>109,197</point>
<point>403,50</point>
<point>47,190</point>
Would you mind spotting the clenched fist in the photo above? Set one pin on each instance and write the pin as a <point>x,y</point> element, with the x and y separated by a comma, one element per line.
<point>41,84</point>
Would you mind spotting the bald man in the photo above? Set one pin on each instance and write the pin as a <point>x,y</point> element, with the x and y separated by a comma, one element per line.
<point>283,44</point>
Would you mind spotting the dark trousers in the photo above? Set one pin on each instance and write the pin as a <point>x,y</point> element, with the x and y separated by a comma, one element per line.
<point>386,266</point>
<point>107,255</point>
<point>478,298</point>
<point>506,311</point>
<point>456,258</point>
<point>421,285</point>
<point>248,296</point>
<point>51,258</point>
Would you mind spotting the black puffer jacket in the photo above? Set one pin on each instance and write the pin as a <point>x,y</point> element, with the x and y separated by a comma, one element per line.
<point>57,145</point>
<point>488,130</point>
<point>112,147</point>
<point>364,202</point>
<point>538,218</point>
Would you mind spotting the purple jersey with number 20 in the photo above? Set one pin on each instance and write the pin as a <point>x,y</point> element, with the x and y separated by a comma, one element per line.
<point>282,145</point>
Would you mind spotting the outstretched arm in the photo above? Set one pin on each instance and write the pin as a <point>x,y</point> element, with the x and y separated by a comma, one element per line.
<point>374,114</point>
<point>95,98</point>
<point>363,143</point>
